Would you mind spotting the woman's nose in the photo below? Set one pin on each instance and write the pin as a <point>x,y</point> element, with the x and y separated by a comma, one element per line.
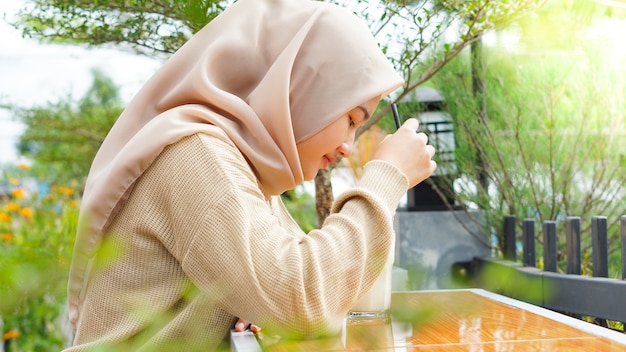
<point>345,149</point>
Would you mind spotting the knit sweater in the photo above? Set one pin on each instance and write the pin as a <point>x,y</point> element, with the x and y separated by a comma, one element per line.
<point>197,245</point>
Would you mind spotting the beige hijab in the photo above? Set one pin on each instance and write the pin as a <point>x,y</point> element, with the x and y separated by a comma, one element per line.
<point>268,73</point>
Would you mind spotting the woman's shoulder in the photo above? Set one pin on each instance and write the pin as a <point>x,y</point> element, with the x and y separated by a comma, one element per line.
<point>206,157</point>
<point>202,147</point>
<point>202,142</point>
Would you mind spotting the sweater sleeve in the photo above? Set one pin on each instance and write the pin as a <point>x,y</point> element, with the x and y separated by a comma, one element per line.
<point>247,257</point>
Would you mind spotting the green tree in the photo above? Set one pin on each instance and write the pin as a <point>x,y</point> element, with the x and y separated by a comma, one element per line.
<point>419,36</point>
<point>553,142</point>
<point>144,26</point>
<point>62,138</point>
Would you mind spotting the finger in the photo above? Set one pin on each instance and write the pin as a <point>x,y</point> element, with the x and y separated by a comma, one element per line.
<point>423,136</point>
<point>241,325</point>
<point>412,124</point>
<point>431,150</point>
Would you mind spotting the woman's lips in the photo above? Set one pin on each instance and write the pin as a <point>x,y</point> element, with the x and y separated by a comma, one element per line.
<point>326,160</point>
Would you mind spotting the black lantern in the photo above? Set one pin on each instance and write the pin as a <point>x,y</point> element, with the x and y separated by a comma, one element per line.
<point>437,192</point>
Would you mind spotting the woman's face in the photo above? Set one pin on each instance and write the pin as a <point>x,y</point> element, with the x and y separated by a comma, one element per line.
<point>335,140</point>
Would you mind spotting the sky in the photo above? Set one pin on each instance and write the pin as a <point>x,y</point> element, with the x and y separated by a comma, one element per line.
<point>33,74</point>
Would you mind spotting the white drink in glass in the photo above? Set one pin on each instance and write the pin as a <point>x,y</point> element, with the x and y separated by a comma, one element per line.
<point>377,300</point>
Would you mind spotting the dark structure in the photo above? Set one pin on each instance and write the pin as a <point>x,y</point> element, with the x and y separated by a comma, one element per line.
<point>437,192</point>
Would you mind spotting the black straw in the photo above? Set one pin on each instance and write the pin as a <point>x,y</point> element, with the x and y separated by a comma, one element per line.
<point>396,117</point>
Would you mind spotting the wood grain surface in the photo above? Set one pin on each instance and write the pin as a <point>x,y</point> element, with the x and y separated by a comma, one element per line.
<point>463,320</point>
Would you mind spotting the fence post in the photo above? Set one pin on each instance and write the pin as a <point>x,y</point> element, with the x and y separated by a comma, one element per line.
<point>599,244</point>
<point>528,238</point>
<point>549,246</point>
<point>1,331</point>
<point>572,238</point>
<point>622,226</point>
<point>600,251</point>
<point>509,238</point>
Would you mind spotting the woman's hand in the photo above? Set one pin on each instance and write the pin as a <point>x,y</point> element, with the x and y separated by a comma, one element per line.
<point>409,152</point>
<point>242,325</point>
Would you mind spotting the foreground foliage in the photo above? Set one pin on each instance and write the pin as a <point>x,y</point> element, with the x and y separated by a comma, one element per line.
<point>37,226</point>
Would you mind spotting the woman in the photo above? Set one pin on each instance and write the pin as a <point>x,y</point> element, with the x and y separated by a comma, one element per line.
<point>182,230</point>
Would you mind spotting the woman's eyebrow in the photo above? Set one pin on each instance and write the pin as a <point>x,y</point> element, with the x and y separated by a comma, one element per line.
<point>365,112</point>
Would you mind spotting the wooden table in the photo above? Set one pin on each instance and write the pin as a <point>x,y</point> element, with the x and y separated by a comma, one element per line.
<point>463,320</point>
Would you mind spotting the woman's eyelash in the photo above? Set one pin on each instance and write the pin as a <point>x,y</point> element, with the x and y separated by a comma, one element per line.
<point>352,123</point>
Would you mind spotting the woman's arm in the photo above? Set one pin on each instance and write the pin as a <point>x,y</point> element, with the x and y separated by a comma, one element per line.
<point>244,254</point>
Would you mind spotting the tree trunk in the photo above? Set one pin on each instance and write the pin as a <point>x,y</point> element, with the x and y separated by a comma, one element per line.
<point>478,88</point>
<point>323,195</point>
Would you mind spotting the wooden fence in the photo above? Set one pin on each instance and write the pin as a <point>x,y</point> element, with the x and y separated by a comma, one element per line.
<point>569,292</point>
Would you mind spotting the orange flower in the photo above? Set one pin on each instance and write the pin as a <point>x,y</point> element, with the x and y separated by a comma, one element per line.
<point>11,335</point>
<point>6,236</point>
<point>72,203</point>
<point>23,166</point>
<point>18,193</point>
<point>14,181</point>
<point>26,212</point>
<point>13,206</point>
<point>4,217</point>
